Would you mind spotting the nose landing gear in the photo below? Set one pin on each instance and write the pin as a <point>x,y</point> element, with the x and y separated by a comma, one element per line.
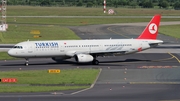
<point>27,62</point>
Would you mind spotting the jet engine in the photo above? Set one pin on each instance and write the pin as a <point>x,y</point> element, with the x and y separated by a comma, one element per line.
<point>82,58</point>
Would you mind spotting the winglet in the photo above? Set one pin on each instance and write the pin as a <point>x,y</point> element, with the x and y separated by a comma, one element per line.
<point>151,30</point>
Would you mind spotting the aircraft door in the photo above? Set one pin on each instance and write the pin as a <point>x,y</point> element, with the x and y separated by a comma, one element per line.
<point>140,47</point>
<point>101,46</point>
<point>62,49</point>
<point>30,48</point>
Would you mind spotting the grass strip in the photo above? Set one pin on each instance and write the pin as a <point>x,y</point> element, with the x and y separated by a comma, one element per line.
<point>170,30</point>
<point>67,76</point>
<point>19,33</point>
<point>73,77</point>
<point>17,89</point>
<point>5,56</point>
<point>84,11</point>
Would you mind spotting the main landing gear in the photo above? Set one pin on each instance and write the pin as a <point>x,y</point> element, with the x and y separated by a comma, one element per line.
<point>27,62</point>
<point>95,62</point>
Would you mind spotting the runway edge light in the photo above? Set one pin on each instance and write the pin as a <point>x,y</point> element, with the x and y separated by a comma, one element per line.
<point>54,71</point>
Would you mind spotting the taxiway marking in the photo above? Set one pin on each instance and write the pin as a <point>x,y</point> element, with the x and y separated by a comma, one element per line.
<point>174,57</point>
<point>117,32</point>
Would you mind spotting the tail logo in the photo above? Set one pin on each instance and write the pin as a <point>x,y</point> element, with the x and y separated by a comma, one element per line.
<point>153,28</point>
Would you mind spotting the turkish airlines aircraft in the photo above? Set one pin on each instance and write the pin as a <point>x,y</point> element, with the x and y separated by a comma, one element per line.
<point>88,50</point>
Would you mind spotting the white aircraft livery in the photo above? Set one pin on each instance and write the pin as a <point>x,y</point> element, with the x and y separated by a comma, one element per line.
<point>88,50</point>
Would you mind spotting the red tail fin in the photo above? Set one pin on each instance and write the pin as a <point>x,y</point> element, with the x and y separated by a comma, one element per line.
<point>151,30</point>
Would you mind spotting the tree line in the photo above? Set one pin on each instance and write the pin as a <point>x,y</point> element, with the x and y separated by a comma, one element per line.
<point>97,3</point>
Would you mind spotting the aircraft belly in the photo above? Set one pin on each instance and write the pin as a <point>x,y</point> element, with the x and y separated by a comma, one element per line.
<point>47,53</point>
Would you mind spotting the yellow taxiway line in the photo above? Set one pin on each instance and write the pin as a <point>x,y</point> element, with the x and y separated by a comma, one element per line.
<point>174,57</point>
<point>117,33</point>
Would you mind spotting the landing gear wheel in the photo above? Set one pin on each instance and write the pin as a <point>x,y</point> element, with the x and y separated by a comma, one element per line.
<point>27,62</point>
<point>95,62</point>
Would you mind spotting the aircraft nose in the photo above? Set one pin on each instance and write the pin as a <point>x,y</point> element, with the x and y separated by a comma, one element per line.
<point>11,53</point>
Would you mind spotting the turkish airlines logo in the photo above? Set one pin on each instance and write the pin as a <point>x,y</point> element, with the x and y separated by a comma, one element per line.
<point>153,28</point>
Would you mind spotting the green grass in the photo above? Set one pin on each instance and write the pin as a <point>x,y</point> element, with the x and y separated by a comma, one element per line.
<point>83,11</point>
<point>19,33</point>
<point>5,56</point>
<point>170,30</point>
<point>72,76</point>
<point>17,89</point>
<point>67,76</point>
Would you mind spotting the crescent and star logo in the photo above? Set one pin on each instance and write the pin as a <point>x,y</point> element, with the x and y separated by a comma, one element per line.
<point>153,28</point>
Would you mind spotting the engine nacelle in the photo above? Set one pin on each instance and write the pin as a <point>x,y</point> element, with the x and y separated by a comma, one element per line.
<point>83,58</point>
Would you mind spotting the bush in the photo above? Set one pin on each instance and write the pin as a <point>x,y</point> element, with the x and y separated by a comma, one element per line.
<point>164,4</point>
<point>89,4</point>
<point>147,4</point>
<point>79,4</point>
<point>45,3</point>
<point>177,6</point>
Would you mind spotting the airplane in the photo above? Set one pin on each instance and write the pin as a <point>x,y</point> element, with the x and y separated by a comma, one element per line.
<point>84,51</point>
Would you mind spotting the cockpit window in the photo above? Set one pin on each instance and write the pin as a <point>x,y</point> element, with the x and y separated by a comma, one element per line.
<point>18,47</point>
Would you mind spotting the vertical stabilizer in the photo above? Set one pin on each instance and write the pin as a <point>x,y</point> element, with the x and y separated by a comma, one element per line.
<point>151,30</point>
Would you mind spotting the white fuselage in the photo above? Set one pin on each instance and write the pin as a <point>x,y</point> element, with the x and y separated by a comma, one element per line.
<point>68,48</point>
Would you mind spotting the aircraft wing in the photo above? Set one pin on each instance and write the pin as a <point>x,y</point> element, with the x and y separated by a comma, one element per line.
<point>73,53</point>
<point>107,52</point>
